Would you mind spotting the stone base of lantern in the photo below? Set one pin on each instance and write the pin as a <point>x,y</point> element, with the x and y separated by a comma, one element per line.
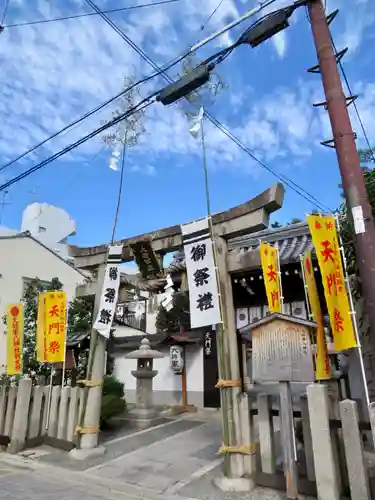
<point>143,418</point>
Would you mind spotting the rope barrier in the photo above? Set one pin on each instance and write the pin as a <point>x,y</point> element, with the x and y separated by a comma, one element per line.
<point>222,384</point>
<point>245,449</point>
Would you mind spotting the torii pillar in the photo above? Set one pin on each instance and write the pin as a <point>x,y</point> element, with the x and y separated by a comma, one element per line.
<point>241,220</point>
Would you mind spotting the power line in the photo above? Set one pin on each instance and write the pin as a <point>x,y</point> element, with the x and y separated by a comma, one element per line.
<point>204,25</point>
<point>5,12</point>
<point>353,102</point>
<point>298,189</point>
<point>76,122</point>
<point>76,16</point>
<point>294,186</point>
<point>290,183</point>
<point>169,65</point>
<point>140,106</point>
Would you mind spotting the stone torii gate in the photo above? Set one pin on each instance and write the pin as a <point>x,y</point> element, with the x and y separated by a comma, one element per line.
<point>243,219</point>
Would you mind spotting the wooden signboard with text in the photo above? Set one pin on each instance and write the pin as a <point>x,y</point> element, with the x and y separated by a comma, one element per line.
<point>282,349</point>
<point>146,259</point>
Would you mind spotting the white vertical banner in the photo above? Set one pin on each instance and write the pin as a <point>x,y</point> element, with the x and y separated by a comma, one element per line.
<point>109,296</point>
<point>200,269</point>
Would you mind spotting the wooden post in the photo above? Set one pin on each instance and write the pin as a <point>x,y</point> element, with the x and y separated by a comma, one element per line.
<point>288,441</point>
<point>184,379</point>
<point>239,414</point>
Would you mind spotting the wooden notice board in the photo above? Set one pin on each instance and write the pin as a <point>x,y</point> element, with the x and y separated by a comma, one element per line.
<point>282,349</point>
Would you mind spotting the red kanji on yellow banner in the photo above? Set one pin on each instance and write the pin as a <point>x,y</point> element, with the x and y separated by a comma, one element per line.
<point>268,256</point>
<point>322,368</point>
<point>324,236</point>
<point>55,326</point>
<point>14,321</point>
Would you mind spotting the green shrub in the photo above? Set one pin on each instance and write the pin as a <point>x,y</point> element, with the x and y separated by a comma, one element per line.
<point>113,386</point>
<point>113,401</point>
<point>111,406</point>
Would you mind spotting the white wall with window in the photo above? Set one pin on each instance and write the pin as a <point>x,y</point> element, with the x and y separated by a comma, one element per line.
<point>23,258</point>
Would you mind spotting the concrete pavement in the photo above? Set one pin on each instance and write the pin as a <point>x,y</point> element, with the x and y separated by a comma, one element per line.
<point>174,461</point>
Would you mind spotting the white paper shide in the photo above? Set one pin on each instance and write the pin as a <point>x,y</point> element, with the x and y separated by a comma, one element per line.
<point>200,268</point>
<point>109,296</point>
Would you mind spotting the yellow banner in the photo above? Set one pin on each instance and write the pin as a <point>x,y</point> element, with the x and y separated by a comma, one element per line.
<point>55,326</point>
<point>268,256</point>
<point>324,236</point>
<point>14,319</point>
<point>322,368</point>
<point>41,340</point>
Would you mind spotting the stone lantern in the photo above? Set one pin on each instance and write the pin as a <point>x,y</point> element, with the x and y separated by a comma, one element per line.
<point>144,412</point>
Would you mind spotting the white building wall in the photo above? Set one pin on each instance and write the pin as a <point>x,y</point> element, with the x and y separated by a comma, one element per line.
<point>125,331</point>
<point>50,225</point>
<point>167,385</point>
<point>22,257</point>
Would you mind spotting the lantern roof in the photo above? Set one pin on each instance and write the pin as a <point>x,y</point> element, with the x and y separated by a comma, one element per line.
<point>145,351</point>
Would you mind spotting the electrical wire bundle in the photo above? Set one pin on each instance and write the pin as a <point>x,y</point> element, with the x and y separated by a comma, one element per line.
<point>217,58</point>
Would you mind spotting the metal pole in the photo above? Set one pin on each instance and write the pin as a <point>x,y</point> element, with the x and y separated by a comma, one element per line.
<point>65,346</point>
<point>309,313</point>
<point>49,396</point>
<point>288,440</point>
<point>353,314</point>
<point>308,307</point>
<point>286,410</point>
<point>359,207</point>
<point>279,274</point>
<point>227,421</point>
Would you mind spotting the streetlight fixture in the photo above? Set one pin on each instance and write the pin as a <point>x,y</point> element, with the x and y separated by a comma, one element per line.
<point>186,85</point>
<point>257,33</point>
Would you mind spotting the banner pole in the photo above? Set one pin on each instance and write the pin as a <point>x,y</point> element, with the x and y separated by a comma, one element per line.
<point>308,308</point>
<point>65,346</point>
<point>353,314</point>
<point>279,274</point>
<point>49,397</point>
<point>226,402</point>
<point>63,368</point>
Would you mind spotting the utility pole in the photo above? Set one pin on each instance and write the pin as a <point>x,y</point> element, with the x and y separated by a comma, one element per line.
<point>352,177</point>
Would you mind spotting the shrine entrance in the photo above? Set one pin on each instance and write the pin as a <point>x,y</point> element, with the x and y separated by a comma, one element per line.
<point>211,395</point>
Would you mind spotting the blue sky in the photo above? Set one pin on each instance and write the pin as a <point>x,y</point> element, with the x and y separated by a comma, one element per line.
<point>53,73</point>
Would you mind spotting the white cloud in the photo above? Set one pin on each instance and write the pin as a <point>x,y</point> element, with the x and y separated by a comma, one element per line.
<point>350,27</point>
<point>366,107</point>
<point>53,73</point>
<point>279,41</point>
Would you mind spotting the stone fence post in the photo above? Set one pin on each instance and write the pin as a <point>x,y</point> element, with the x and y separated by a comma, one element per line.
<point>327,482</point>
<point>21,416</point>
